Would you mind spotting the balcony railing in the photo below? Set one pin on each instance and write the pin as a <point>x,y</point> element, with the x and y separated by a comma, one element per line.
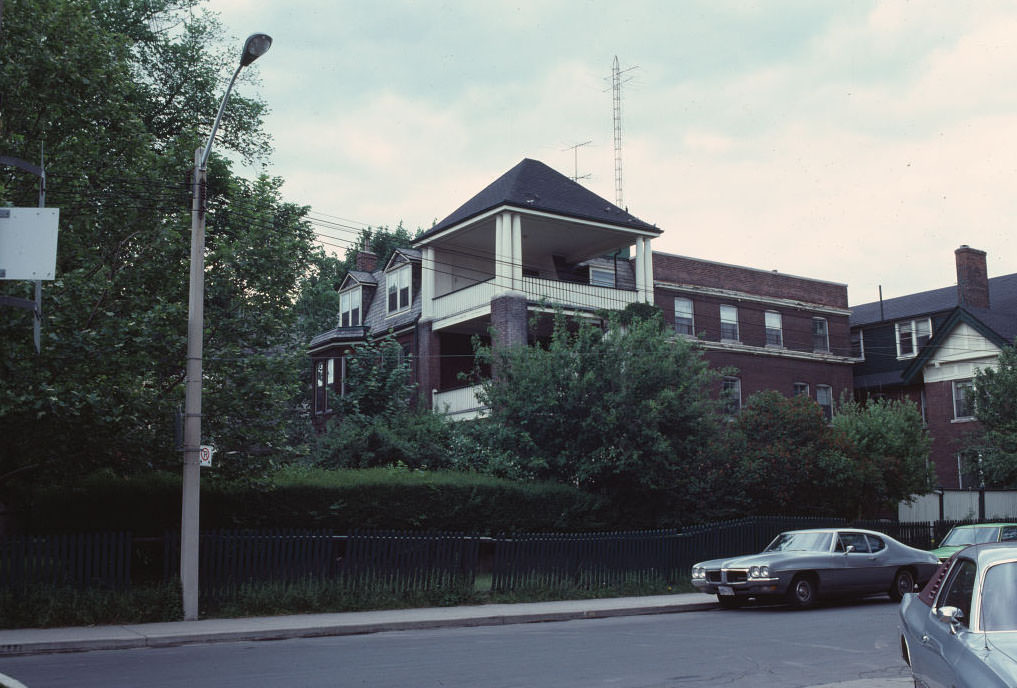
<point>458,404</point>
<point>475,300</point>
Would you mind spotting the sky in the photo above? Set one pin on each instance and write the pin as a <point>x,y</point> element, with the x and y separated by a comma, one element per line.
<point>845,140</point>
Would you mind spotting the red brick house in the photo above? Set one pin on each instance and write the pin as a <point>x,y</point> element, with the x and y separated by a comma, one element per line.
<point>534,239</point>
<point>927,346</point>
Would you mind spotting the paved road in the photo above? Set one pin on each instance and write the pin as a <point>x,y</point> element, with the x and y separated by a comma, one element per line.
<point>848,646</point>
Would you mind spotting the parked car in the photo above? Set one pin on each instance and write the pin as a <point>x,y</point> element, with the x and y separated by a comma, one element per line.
<point>960,537</point>
<point>802,566</point>
<point>961,629</point>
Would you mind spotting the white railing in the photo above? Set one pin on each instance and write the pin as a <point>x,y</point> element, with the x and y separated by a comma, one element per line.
<point>458,404</point>
<point>567,294</point>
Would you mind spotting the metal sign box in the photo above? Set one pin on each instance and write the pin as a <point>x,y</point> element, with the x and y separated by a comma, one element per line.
<point>28,243</point>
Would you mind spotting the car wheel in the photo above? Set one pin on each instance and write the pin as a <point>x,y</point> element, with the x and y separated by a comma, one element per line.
<point>903,582</point>
<point>802,592</point>
<point>729,602</point>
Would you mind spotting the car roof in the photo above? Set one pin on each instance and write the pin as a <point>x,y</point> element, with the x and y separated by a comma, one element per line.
<point>989,553</point>
<point>982,525</point>
<point>836,530</point>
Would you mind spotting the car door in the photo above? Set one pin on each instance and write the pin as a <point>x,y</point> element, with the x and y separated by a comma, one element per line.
<point>850,574</point>
<point>881,569</point>
<point>939,648</point>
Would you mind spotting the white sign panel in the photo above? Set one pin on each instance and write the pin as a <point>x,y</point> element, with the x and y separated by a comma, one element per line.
<point>205,458</point>
<point>28,243</point>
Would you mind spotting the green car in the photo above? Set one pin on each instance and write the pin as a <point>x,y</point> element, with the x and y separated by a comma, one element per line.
<point>960,537</point>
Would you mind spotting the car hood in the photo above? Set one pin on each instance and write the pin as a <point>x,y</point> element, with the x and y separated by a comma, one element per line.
<point>1004,654</point>
<point>943,553</point>
<point>747,560</point>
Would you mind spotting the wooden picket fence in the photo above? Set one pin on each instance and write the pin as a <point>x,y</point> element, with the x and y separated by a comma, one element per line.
<point>85,560</point>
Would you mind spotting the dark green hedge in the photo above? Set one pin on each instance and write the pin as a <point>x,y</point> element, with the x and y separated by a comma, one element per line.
<point>341,500</point>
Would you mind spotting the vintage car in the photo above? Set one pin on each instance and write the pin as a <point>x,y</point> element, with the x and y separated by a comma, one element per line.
<point>961,629</point>
<point>802,566</point>
<point>960,537</point>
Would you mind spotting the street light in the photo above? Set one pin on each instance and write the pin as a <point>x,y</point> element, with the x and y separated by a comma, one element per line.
<point>255,46</point>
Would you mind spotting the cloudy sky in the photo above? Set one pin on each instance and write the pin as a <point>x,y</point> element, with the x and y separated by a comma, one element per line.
<point>853,141</point>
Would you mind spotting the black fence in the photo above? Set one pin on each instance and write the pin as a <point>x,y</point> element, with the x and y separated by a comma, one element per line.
<point>403,561</point>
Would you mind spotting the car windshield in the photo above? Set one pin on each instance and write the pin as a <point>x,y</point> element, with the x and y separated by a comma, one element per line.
<point>801,542</point>
<point>961,537</point>
<point>999,598</point>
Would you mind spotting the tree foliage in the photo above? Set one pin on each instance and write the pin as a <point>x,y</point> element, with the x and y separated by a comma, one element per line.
<point>992,449</point>
<point>118,94</point>
<point>620,411</point>
<point>888,446</point>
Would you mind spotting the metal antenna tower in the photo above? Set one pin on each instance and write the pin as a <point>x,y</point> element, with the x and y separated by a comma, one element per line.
<point>616,84</point>
<point>575,152</point>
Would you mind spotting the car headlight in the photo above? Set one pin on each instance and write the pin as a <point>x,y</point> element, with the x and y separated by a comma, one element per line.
<point>698,572</point>
<point>759,572</point>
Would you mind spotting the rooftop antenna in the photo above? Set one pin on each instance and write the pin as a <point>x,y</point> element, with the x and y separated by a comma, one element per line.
<point>616,84</point>
<point>575,152</point>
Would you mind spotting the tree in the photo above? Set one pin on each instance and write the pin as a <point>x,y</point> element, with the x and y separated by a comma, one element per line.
<point>377,421</point>
<point>889,449</point>
<point>118,92</point>
<point>992,449</point>
<point>784,458</point>
<point>621,412</point>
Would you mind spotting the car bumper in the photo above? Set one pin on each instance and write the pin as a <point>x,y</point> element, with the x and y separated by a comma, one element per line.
<point>750,588</point>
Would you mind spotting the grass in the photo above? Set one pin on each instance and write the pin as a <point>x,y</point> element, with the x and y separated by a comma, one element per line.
<point>49,606</point>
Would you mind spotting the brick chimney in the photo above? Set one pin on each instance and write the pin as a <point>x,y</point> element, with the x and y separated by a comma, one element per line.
<point>368,262</point>
<point>972,278</point>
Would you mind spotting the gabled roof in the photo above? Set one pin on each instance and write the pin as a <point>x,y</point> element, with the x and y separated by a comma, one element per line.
<point>1002,299</point>
<point>533,185</point>
<point>401,256</point>
<point>976,319</point>
<point>364,279</point>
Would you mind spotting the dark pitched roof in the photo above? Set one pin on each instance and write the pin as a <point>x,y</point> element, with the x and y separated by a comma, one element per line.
<point>533,185</point>
<point>1002,299</point>
<point>976,319</point>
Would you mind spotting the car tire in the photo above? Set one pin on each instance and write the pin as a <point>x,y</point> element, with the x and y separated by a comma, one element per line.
<point>903,582</point>
<point>729,602</point>
<point>802,592</point>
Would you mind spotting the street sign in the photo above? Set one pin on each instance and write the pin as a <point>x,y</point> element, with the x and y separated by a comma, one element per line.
<point>28,243</point>
<point>205,459</point>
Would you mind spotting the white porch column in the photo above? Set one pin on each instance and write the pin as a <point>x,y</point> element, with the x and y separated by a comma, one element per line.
<point>640,269</point>
<point>508,261</point>
<point>427,278</point>
<point>648,269</point>
<point>517,252</point>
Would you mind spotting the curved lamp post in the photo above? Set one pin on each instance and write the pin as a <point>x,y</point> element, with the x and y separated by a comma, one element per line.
<point>255,46</point>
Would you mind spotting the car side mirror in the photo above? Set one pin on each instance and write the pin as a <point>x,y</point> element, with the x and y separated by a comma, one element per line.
<point>849,549</point>
<point>950,615</point>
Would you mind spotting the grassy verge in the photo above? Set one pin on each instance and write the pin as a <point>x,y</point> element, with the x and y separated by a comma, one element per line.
<point>48,606</point>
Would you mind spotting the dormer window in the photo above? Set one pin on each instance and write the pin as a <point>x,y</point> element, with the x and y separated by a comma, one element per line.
<point>350,307</point>
<point>912,335</point>
<point>398,281</point>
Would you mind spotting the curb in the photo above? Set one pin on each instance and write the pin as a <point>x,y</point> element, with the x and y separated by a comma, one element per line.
<point>171,634</point>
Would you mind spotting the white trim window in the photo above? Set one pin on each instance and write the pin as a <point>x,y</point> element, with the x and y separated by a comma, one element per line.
<point>350,307</point>
<point>858,344</point>
<point>912,335</point>
<point>731,395</point>
<point>800,389</point>
<point>398,282</point>
<point>684,319</point>
<point>774,329</point>
<point>963,399</point>
<point>820,335</point>
<point>824,397</point>
<point>729,324</point>
<point>602,277</point>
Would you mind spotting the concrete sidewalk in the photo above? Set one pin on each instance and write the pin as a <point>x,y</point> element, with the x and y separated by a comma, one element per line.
<point>77,639</point>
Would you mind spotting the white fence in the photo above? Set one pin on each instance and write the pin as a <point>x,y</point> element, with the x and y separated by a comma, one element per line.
<point>960,505</point>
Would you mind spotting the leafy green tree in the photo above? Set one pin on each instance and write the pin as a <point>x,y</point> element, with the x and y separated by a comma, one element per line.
<point>992,449</point>
<point>118,93</point>
<point>621,412</point>
<point>377,421</point>
<point>784,457</point>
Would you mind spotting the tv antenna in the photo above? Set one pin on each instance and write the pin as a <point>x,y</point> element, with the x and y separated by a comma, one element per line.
<point>575,154</point>
<point>616,84</point>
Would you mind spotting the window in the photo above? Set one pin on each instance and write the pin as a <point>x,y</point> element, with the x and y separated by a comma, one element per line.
<point>963,399</point>
<point>349,308</point>
<point>683,321</point>
<point>601,277</point>
<point>801,389</point>
<point>731,395</point>
<point>856,540</point>
<point>728,323</point>
<point>824,395</point>
<point>398,289</point>
<point>774,331</point>
<point>959,588</point>
<point>912,335</point>
<point>320,392</point>
<point>876,544</point>
<point>820,335</point>
<point>858,344</point>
